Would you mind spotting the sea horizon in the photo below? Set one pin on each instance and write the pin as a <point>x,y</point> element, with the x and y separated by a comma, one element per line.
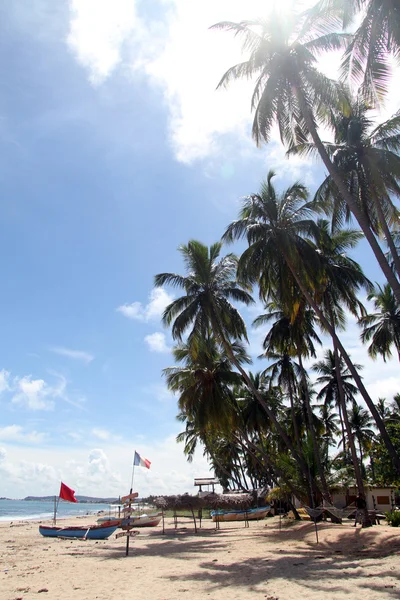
<point>31,510</point>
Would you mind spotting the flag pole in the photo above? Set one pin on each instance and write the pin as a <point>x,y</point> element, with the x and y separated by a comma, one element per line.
<point>133,471</point>
<point>55,510</point>
<point>133,476</point>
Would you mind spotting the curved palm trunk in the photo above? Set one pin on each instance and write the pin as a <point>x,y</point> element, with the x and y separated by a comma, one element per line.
<point>294,420</point>
<point>329,327</point>
<point>387,234</point>
<point>219,332</point>
<point>346,195</point>
<point>342,400</point>
<point>325,488</point>
<point>339,405</point>
<point>229,475</point>
<point>249,444</point>
<point>361,455</point>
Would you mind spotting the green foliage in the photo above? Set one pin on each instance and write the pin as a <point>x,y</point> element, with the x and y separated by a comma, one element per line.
<point>393,518</point>
<point>382,470</point>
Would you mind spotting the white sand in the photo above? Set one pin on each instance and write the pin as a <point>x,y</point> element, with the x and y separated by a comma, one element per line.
<point>234,563</point>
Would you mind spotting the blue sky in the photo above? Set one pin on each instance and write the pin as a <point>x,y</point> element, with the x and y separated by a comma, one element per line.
<point>115,149</point>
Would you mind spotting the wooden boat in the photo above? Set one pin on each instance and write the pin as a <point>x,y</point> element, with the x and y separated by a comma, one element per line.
<point>145,520</point>
<point>252,514</point>
<point>87,532</point>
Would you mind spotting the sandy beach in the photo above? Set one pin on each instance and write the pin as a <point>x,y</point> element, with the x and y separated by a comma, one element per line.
<point>233,563</point>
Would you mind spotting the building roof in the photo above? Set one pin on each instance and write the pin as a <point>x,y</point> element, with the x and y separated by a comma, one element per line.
<point>206,481</point>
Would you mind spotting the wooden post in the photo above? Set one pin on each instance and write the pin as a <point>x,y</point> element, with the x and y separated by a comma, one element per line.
<point>127,500</point>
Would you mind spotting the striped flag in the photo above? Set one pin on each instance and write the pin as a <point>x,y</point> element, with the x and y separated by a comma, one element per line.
<point>138,461</point>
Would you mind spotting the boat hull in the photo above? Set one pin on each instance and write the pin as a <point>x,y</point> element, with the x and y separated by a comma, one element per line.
<point>253,514</point>
<point>135,521</point>
<point>94,532</point>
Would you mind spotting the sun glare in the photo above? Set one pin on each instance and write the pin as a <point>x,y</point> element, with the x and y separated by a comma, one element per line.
<point>260,7</point>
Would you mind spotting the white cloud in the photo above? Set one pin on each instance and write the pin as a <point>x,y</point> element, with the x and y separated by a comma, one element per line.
<point>104,470</point>
<point>179,55</point>
<point>99,29</point>
<point>158,301</point>
<point>16,433</point>
<point>185,60</point>
<point>157,342</point>
<point>4,380</point>
<point>74,354</point>
<point>102,434</point>
<point>3,454</point>
<point>33,394</point>
<point>37,394</point>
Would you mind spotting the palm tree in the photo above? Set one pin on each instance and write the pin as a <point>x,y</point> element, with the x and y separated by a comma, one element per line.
<point>284,371</point>
<point>330,390</point>
<point>382,328</point>
<point>209,286</point>
<point>361,426</point>
<point>289,90</point>
<point>367,159</point>
<point>278,254</point>
<point>204,382</point>
<point>329,420</point>
<point>295,336</point>
<point>377,36</point>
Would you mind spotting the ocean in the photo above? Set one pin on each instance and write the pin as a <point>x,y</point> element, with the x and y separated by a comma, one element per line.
<point>22,510</point>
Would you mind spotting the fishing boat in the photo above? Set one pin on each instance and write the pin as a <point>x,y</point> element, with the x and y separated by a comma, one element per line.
<point>87,532</point>
<point>252,514</point>
<point>144,520</point>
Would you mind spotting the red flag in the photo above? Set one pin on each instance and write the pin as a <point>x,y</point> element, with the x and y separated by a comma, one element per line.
<point>67,493</point>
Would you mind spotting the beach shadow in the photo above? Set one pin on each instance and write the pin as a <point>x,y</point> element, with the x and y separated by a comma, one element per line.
<point>168,546</point>
<point>324,567</point>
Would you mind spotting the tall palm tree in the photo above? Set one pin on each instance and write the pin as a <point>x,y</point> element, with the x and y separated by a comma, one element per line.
<point>366,156</point>
<point>291,91</point>
<point>209,286</point>
<point>274,226</point>
<point>204,382</point>
<point>295,336</point>
<point>330,422</point>
<point>328,378</point>
<point>361,425</point>
<point>285,372</point>
<point>377,36</point>
<point>382,328</point>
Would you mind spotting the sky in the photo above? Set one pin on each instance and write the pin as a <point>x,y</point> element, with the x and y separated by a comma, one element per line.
<point>115,149</point>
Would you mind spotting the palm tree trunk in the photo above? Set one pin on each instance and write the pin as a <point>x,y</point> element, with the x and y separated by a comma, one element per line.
<point>342,425</point>
<point>252,449</point>
<point>346,195</point>
<point>361,454</point>
<point>294,421</point>
<point>219,333</point>
<point>325,489</point>
<point>229,475</point>
<point>387,234</point>
<point>350,437</point>
<point>329,327</point>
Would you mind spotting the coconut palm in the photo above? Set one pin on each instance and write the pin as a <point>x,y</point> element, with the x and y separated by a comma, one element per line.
<point>294,337</point>
<point>330,423</point>
<point>382,328</point>
<point>274,226</point>
<point>291,91</point>
<point>209,286</point>
<point>377,36</point>
<point>204,382</point>
<point>361,426</point>
<point>366,156</point>
<point>329,392</point>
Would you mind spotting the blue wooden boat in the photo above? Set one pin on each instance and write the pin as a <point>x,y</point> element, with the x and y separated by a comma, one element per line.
<point>88,532</point>
<point>252,514</point>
